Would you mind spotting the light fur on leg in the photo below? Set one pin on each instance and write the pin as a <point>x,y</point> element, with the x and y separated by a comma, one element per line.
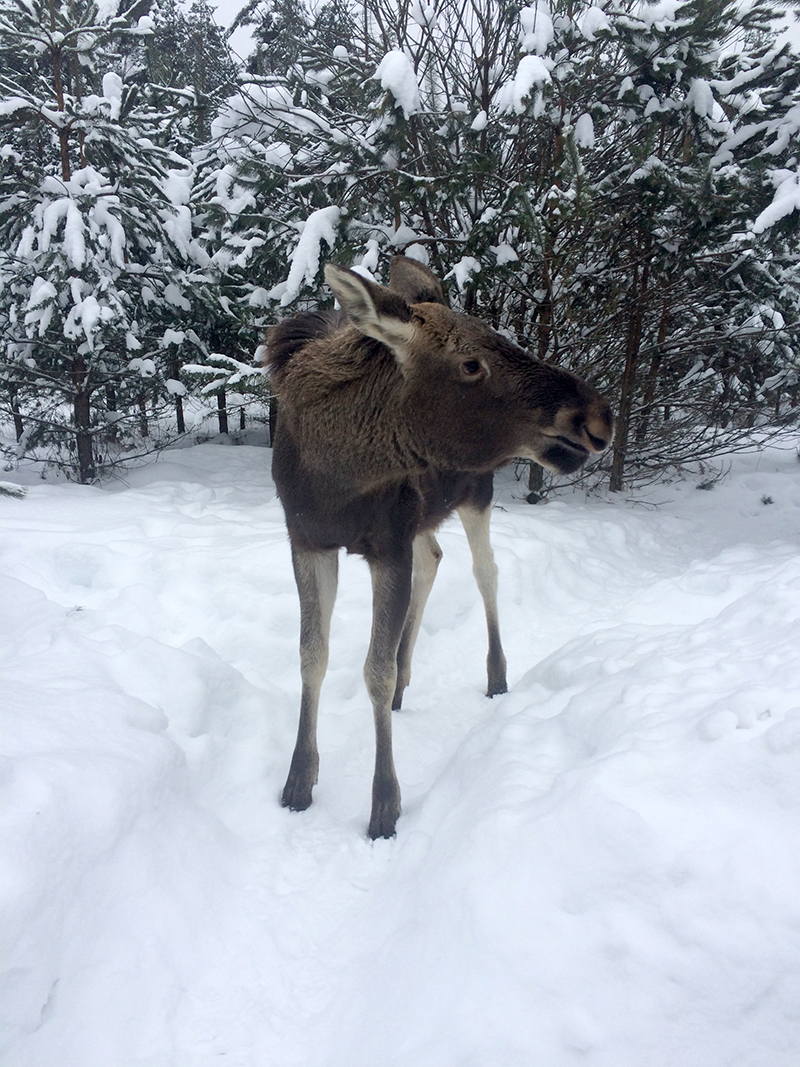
<point>426,557</point>
<point>476,527</point>
<point>316,574</point>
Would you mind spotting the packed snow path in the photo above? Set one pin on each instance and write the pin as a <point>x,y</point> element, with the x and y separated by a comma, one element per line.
<point>601,867</point>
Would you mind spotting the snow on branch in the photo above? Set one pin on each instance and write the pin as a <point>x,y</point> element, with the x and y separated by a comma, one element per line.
<point>319,226</point>
<point>223,372</point>
<point>785,201</point>
<point>396,75</point>
<point>593,20</point>
<point>463,271</point>
<point>537,28</point>
<point>514,95</point>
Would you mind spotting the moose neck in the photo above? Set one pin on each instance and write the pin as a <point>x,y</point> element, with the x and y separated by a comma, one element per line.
<point>353,422</point>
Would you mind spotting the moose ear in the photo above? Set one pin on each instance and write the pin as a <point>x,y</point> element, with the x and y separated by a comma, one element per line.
<point>414,282</point>
<point>372,309</point>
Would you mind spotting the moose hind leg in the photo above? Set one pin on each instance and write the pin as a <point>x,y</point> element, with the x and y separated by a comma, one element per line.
<point>316,574</point>
<point>426,557</point>
<point>391,592</point>
<point>476,527</point>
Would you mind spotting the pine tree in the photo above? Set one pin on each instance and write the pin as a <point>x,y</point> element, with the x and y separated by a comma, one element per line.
<point>94,231</point>
<point>593,180</point>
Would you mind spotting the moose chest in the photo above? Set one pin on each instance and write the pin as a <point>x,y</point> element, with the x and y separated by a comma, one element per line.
<point>324,512</point>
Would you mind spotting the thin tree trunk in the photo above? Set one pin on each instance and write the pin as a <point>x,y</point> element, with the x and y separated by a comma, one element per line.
<point>58,85</point>
<point>628,386</point>
<point>111,405</point>
<point>175,373</point>
<point>19,427</point>
<point>652,382</point>
<point>272,418</point>
<point>222,411</point>
<point>81,409</point>
<point>545,318</point>
<point>144,425</point>
<point>535,483</point>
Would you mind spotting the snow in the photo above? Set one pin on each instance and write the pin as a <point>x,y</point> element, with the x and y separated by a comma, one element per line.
<point>260,110</point>
<point>464,270</point>
<point>40,304</point>
<point>396,74</point>
<point>112,92</point>
<point>785,201</point>
<point>423,14</point>
<point>701,97</point>
<point>85,315</point>
<point>418,252</point>
<point>174,296</point>
<point>592,21</point>
<point>12,104</point>
<point>318,227</point>
<point>172,337</point>
<point>504,254</point>
<point>584,131</point>
<point>598,868</point>
<point>514,95</point>
<point>661,14</point>
<point>537,28</point>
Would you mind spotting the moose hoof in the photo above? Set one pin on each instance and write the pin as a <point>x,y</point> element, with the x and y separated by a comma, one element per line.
<point>297,791</point>
<point>383,824</point>
<point>496,688</point>
<point>385,813</point>
<point>296,797</point>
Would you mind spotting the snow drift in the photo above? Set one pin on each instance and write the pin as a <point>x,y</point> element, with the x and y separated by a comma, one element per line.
<point>600,867</point>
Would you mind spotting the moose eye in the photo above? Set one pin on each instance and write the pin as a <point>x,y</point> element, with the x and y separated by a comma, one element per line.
<point>471,367</point>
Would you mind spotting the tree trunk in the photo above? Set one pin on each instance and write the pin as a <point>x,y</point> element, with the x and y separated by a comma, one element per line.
<point>144,425</point>
<point>222,411</point>
<point>19,428</point>
<point>272,418</point>
<point>81,412</point>
<point>628,385</point>
<point>58,85</point>
<point>175,374</point>
<point>111,405</point>
<point>535,483</point>
<point>652,382</point>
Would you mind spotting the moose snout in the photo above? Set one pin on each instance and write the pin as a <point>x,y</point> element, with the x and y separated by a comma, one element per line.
<point>588,431</point>
<point>597,431</point>
<point>577,434</point>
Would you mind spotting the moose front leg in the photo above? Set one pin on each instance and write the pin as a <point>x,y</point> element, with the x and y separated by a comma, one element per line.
<point>476,526</point>
<point>316,574</point>
<point>391,592</point>
<point>426,557</point>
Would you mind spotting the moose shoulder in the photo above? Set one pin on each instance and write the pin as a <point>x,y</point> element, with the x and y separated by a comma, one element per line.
<point>394,413</point>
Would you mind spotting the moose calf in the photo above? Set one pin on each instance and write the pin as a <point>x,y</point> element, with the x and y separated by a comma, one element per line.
<point>393,413</point>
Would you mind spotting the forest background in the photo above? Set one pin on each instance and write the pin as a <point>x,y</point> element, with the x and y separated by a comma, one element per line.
<point>615,186</point>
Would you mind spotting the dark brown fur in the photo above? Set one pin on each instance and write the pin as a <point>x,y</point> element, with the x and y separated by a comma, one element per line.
<point>392,415</point>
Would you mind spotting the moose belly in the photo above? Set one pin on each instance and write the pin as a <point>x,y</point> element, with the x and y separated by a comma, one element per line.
<point>380,523</point>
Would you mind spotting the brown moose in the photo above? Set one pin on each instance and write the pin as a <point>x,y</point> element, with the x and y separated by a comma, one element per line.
<point>393,414</point>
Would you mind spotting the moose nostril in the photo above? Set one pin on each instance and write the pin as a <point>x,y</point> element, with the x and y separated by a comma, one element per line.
<point>597,443</point>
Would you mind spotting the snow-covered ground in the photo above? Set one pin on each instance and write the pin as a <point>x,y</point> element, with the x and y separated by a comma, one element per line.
<point>601,867</point>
